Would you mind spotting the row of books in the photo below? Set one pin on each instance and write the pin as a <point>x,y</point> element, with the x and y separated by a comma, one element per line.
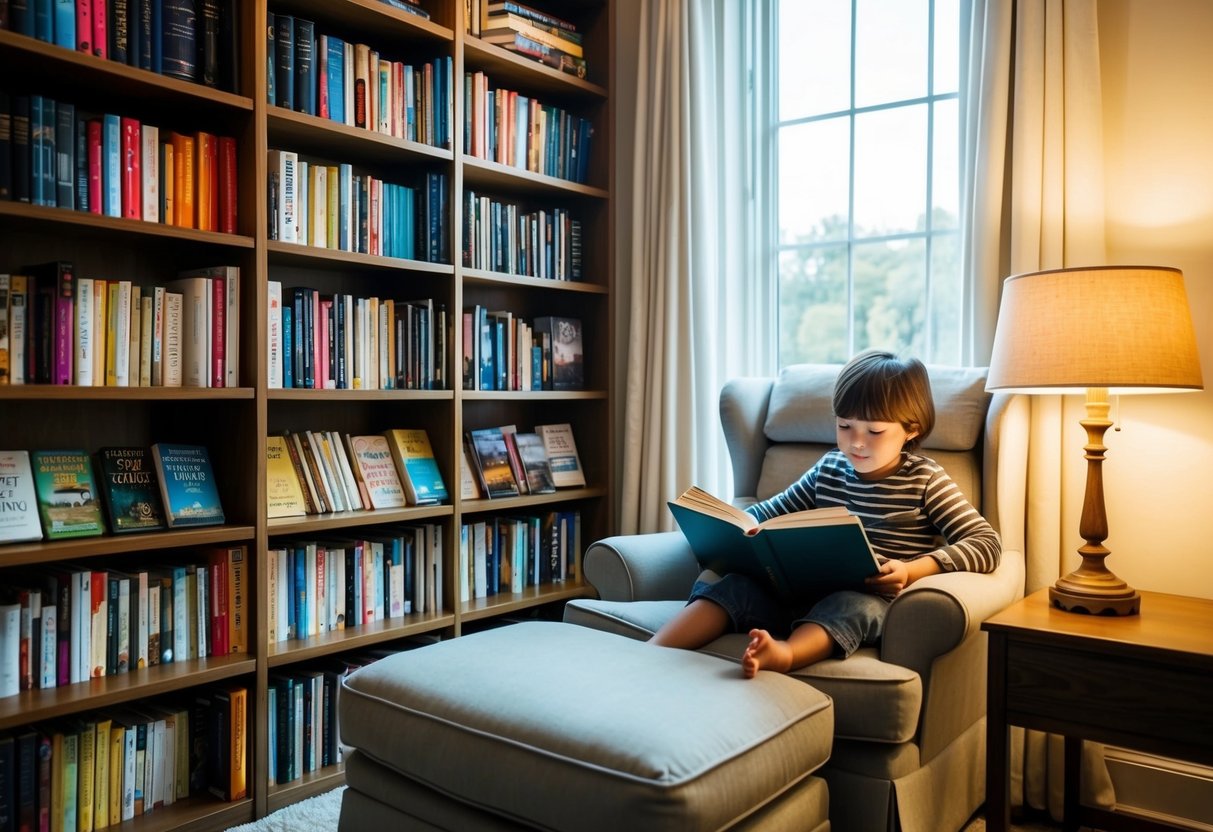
<point>64,624</point>
<point>504,237</point>
<point>342,342</point>
<point>57,327</point>
<point>316,472</point>
<point>502,462</point>
<point>529,32</point>
<point>512,129</point>
<point>501,351</point>
<point>508,554</point>
<point>180,38</point>
<point>97,770</point>
<point>58,494</point>
<point>55,155</point>
<point>322,586</point>
<point>329,206</point>
<point>354,84</point>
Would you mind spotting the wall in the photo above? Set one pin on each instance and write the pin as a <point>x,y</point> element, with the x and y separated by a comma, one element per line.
<point>1158,145</point>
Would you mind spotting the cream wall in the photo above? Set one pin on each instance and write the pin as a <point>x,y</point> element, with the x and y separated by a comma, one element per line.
<point>1157,72</point>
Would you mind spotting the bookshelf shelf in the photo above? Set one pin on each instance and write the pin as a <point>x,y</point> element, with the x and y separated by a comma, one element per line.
<point>234,422</point>
<point>41,705</point>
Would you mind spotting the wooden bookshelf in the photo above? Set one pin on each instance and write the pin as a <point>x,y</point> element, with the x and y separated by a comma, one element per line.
<point>234,422</point>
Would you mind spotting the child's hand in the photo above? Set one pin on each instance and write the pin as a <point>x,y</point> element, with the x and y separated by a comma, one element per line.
<point>893,577</point>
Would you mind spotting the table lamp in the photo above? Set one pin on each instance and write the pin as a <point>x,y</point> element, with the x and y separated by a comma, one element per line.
<point>1103,330</point>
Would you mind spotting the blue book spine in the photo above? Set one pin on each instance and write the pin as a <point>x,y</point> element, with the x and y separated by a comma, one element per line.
<point>304,60</point>
<point>284,49</point>
<point>44,20</point>
<point>291,631</point>
<point>81,164</point>
<point>288,363</point>
<point>21,17</point>
<point>65,24</point>
<point>179,39</point>
<point>157,36</point>
<point>65,155</point>
<point>300,594</point>
<point>36,194</point>
<point>335,59</point>
<point>143,35</point>
<point>111,160</point>
<point>359,614</point>
<point>345,175</point>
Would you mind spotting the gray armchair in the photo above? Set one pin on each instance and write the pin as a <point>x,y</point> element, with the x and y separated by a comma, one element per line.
<point>909,741</point>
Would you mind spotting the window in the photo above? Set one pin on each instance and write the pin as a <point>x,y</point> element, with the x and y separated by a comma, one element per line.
<point>863,146</point>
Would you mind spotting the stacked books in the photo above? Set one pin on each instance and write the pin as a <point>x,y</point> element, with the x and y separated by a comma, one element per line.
<point>534,34</point>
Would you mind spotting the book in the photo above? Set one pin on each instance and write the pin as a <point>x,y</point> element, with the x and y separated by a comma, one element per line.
<point>284,494</point>
<point>562,454</point>
<point>19,518</point>
<point>567,371</point>
<point>491,458</point>
<point>129,489</point>
<point>67,494</point>
<point>376,467</point>
<point>795,554</point>
<point>417,466</point>
<point>534,458</point>
<point>187,485</point>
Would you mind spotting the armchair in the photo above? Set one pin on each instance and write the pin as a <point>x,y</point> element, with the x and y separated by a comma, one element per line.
<point>909,739</point>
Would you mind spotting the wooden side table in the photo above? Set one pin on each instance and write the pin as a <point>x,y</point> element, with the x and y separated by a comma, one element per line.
<point>1143,682</point>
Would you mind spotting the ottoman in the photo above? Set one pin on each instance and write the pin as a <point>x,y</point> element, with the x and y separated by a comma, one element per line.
<point>544,725</point>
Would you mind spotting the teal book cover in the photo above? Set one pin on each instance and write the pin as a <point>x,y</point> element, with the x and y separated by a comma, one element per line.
<point>67,494</point>
<point>129,489</point>
<point>187,485</point>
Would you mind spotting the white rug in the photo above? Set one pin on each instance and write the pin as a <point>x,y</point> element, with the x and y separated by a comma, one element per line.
<point>316,814</point>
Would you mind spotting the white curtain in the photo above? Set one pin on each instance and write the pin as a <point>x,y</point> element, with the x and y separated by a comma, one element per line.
<point>1033,157</point>
<point>693,296</point>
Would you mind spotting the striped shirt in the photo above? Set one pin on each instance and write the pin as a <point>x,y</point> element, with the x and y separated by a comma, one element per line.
<point>916,512</point>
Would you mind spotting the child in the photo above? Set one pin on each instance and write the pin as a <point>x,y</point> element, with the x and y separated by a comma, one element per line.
<point>883,410</point>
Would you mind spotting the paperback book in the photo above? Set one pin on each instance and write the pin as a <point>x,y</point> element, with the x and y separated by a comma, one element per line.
<point>417,466</point>
<point>129,489</point>
<point>283,491</point>
<point>562,454</point>
<point>372,456</point>
<point>187,485</point>
<point>18,500</point>
<point>795,554</point>
<point>491,458</point>
<point>67,494</point>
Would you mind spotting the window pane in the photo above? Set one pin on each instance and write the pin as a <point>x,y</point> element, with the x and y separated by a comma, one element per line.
<point>890,51</point>
<point>814,57</point>
<point>946,296</point>
<point>890,170</point>
<point>945,165</point>
<point>813,305</point>
<point>947,47</point>
<point>813,181</point>
<point>890,296</point>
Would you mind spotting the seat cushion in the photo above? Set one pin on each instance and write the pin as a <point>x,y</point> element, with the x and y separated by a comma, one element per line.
<point>873,700</point>
<point>571,728</point>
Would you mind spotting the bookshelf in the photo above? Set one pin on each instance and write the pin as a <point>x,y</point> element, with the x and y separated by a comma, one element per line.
<point>233,422</point>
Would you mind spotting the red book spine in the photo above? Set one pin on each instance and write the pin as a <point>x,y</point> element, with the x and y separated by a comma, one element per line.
<point>218,331</point>
<point>322,78</point>
<point>212,184</point>
<point>316,355</point>
<point>227,185</point>
<point>100,30</point>
<point>65,325</point>
<point>84,26</point>
<point>132,173</point>
<point>94,166</point>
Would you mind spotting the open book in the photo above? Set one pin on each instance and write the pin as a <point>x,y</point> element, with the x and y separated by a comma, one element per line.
<point>796,554</point>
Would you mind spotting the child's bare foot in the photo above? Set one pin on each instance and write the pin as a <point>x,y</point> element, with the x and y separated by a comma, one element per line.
<point>765,653</point>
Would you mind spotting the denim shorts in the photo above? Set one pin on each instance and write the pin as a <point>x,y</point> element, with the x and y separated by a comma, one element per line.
<point>851,618</point>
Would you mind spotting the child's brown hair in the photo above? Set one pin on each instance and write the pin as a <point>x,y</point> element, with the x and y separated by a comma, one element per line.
<point>877,386</point>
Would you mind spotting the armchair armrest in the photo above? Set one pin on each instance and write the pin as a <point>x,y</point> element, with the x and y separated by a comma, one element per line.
<point>934,615</point>
<point>641,567</point>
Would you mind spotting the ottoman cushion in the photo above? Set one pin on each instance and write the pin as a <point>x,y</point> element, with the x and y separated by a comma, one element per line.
<point>564,727</point>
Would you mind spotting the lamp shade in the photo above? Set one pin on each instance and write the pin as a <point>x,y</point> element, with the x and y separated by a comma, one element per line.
<point>1127,328</point>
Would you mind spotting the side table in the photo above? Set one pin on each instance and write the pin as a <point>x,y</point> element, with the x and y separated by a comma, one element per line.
<point>1141,682</point>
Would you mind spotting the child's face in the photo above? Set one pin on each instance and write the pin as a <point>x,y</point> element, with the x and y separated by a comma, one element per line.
<point>873,448</point>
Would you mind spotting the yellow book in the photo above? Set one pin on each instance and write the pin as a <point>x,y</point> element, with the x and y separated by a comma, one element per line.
<point>100,329</point>
<point>117,752</point>
<point>184,188</point>
<point>58,779</point>
<point>239,723</point>
<point>111,336</point>
<point>237,614</point>
<point>333,181</point>
<point>182,750</point>
<point>101,776</point>
<point>284,495</point>
<point>168,183</point>
<point>416,466</point>
<point>87,772</point>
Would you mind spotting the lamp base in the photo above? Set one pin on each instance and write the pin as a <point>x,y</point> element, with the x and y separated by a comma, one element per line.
<point>1073,599</point>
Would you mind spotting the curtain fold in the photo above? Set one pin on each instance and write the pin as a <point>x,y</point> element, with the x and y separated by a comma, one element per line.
<point>1033,174</point>
<point>690,323</point>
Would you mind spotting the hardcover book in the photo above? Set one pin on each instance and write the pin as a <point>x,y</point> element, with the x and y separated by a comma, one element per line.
<point>18,500</point>
<point>417,467</point>
<point>377,469</point>
<point>187,485</point>
<point>567,371</point>
<point>67,494</point>
<point>129,489</point>
<point>492,460</point>
<point>535,465</point>
<point>284,494</point>
<point>562,454</point>
<point>795,554</point>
